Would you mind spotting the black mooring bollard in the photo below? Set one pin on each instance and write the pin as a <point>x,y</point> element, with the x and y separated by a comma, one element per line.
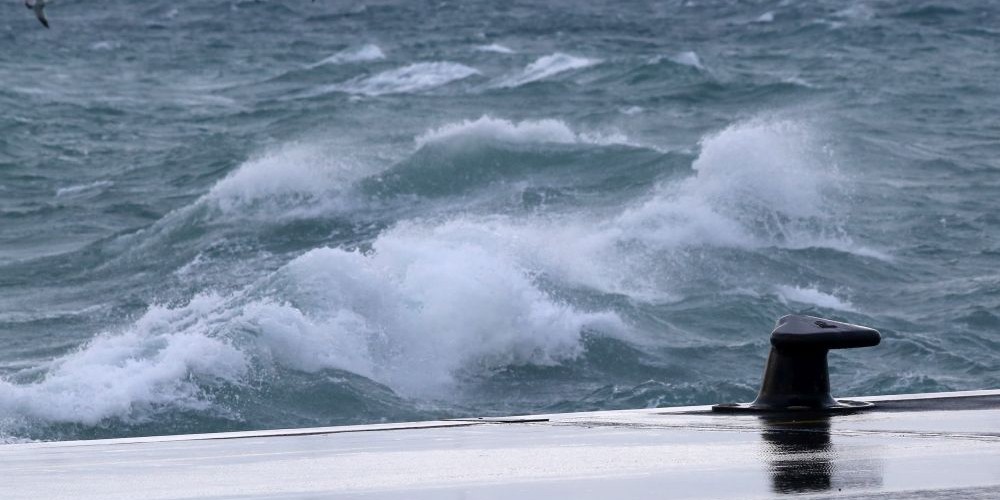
<point>796,377</point>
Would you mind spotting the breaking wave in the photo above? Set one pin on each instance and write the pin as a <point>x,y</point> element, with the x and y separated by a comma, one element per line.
<point>417,312</point>
<point>432,303</point>
<point>288,179</point>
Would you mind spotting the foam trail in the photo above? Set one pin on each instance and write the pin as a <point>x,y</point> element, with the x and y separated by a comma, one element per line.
<point>77,189</point>
<point>527,131</point>
<point>412,78</point>
<point>546,67</point>
<point>364,53</point>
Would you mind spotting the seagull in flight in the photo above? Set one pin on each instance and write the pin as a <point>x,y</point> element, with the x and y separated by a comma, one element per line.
<point>39,7</point>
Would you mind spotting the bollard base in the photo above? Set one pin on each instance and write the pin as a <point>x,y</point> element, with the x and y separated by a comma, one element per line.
<point>840,406</point>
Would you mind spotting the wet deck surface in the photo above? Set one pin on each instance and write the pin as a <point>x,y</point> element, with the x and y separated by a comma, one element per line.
<point>909,447</point>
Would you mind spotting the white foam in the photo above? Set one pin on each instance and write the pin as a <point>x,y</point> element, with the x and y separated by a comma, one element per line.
<point>757,183</point>
<point>80,188</point>
<point>422,308</point>
<point>546,67</point>
<point>601,258</point>
<point>426,308</point>
<point>364,53</point>
<point>495,47</point>
<point>527,131</point>
<point>810,295</point>
<point>157,363</point>
<point>415,77</point>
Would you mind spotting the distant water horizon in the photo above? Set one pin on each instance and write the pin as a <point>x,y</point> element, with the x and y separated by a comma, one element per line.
<point>248,214</point>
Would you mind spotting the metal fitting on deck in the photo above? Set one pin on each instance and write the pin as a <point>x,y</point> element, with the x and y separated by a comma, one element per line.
<point>796,377</point>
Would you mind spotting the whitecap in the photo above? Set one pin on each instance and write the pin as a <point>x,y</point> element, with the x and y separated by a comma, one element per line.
<point>528,131</point>
<point>411,78</point>
<point>546,67</point>
<point>688,58</point>
<point>364,53</point>
<point>767,17</point>
<point>495,47</point>
<point>105,45</point>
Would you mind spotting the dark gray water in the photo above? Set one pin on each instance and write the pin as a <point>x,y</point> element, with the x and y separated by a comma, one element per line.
<point>253,214</point>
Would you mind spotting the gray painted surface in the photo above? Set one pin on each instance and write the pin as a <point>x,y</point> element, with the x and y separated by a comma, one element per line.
<point>911,447</point>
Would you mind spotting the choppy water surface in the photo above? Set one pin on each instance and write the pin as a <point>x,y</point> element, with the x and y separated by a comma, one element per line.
<point>257,214</point>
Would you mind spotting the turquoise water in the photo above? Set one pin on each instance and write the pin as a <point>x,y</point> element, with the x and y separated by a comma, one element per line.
<point>250,214</point>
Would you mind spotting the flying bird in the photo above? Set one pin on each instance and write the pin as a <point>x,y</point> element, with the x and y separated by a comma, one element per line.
<point>39,7</point>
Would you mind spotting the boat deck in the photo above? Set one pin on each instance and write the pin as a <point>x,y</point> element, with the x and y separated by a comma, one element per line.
<point>944,445</point>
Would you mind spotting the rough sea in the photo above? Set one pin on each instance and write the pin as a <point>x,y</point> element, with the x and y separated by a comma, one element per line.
<point>260,214</point>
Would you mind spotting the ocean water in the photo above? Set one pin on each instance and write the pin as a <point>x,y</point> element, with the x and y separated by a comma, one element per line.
<point>261,214</point>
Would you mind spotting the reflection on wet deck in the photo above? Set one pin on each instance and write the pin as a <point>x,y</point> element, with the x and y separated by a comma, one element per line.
<point>802,458</point>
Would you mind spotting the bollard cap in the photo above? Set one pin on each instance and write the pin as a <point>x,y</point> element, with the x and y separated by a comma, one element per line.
<point>809,332</point>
